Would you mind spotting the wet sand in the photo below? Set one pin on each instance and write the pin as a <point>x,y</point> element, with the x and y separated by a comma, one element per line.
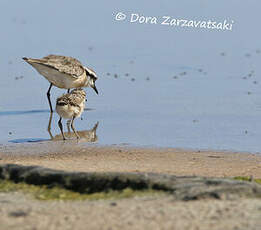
<point>73,156</point>
<point>153,212</point>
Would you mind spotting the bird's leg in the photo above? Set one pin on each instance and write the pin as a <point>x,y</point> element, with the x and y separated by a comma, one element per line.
<point>48,96</point>
<point>49,125</point>
<point>76,134</point>
<point>68,125</point>
<point>61,127</point>
<point>68,91</point>
<point>95,126</point>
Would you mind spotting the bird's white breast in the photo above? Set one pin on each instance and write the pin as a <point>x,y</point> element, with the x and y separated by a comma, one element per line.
<point>70,111</point>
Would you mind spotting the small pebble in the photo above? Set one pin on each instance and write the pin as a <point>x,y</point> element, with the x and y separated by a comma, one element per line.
<point>113,204</point>
<point>18,214</point>
<point>17,78</point>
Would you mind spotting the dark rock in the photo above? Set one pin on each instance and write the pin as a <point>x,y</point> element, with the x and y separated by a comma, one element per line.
<point>182,188</point>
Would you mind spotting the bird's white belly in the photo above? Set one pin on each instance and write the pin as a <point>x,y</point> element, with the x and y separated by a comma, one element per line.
<point>82,105</point>
<point>69,111</point>
<point>66,111</point>
<point>61,80</point>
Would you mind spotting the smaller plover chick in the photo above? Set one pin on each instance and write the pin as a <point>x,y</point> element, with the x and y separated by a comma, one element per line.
<point>70,106</point>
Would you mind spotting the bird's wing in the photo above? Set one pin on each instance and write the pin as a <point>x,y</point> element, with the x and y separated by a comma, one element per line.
<point>75,99</point>
<point>63,64</point>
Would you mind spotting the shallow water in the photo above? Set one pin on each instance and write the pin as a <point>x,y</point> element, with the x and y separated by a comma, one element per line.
<point>174,86</point>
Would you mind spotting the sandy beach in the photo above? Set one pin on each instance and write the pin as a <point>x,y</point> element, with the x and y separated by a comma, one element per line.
<point>72,156</point>
<point>20,211</point>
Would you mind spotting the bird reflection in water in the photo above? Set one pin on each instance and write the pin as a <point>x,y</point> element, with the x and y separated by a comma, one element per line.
<point>85,135</point>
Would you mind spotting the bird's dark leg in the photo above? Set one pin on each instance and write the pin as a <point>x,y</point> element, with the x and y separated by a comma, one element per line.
<point>68,125</point>
<point>76,134</point>
<point>68,91</point>
<point>48,96</point>
<point>61,127</point>
<point>49,125</point>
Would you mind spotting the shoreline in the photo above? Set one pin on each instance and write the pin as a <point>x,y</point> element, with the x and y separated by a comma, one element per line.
<point>122,145</point>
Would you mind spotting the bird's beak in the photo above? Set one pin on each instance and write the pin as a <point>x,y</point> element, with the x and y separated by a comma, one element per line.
<point>95,89</point>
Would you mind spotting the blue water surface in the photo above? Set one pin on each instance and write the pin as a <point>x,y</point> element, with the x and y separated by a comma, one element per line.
<point>164,86</point>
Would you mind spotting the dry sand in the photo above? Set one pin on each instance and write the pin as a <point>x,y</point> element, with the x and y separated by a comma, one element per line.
<point>18,211</point>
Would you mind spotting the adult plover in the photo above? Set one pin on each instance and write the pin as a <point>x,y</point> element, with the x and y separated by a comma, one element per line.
<point>70,106</point>
<point>63,72</point>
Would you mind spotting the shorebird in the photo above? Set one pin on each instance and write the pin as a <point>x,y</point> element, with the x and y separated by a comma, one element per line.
<point>70,106</point>
<point>63,72</point>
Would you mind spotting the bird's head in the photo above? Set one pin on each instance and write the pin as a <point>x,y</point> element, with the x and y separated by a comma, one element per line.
<point>91,78</point>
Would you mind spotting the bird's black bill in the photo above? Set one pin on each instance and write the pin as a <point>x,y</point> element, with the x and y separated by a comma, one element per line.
<point>95,89</point>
